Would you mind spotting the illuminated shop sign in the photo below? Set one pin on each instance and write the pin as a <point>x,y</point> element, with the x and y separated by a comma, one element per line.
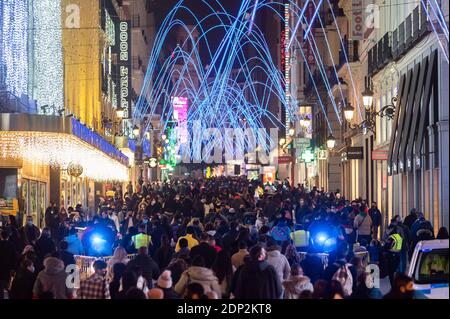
<point>124,65</point>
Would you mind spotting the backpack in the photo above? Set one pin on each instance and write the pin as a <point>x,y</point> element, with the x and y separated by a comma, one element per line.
<point>281,232</point>
<point>344,276</point>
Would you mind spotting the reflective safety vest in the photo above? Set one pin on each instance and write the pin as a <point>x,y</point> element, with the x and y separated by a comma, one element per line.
<point>141,240</point>
<point>398,241</point>
<point>300,238</point>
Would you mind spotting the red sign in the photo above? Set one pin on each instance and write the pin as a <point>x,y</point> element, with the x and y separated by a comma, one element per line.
<point>384,186</point>
<point>379,155</point>
<point>284,159</point>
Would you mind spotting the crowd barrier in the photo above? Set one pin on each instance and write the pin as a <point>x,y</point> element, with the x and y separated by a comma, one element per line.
<point>364,255</point>
<point>84,263</point>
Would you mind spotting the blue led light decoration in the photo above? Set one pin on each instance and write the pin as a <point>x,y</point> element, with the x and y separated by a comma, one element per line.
<point>236,88</point>
<point>13,46</point>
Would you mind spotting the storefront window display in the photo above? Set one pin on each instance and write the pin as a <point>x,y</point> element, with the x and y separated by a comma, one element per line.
<point>34,195</point>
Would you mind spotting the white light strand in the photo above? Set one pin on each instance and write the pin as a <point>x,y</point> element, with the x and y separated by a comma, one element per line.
<point>59,150</point>
<point>13,46</point>
<point>48,82</point>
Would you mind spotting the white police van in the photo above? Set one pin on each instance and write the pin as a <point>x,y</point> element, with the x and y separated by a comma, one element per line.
<point>429,268</point>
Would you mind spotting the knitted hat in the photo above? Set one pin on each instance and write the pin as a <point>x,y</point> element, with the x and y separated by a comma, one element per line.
<point>165,279</point>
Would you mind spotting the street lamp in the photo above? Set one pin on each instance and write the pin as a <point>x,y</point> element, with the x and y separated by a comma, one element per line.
<point>370,122</point>
<point>331,142</point>
<point>348,112</point>
<point>367,96</point>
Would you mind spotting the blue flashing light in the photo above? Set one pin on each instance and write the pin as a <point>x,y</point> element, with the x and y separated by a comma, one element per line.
<point>98,243</point>
<point>320,238</point>
<point>323,242</point>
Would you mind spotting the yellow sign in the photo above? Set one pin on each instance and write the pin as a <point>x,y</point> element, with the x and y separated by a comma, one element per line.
<point>9,206</point>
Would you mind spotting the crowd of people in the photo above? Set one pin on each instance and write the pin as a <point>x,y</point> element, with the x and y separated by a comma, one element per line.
<point>223,237</point>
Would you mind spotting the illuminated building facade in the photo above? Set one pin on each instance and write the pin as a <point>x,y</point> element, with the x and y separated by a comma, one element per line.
<point>59,88</point>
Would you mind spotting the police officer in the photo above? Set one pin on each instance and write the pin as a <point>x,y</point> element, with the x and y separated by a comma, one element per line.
<point>393,247</point>
<point>300,236</point>
<point>141,239</point>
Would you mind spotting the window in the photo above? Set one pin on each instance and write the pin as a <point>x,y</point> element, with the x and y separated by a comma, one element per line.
<point>432,267</point>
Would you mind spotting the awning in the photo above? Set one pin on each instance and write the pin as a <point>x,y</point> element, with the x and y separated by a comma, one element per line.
<point>402,106</point>
<point>407,119</point>
<point>412,116</point>
<point>416,113</point>
<point>430,82</point>
<point>60,141</point>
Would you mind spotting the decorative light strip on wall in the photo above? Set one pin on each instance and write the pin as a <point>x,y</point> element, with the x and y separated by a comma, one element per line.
<point>58,149</point>
<point>287,68</point>
<point>47,82</point>
<point>13,45</point>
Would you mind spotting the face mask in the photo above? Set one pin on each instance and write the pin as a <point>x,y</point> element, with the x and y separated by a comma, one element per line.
<point>145,221</point>
<point>29,223</point>
<point>153,202</point>
<point>31,268</point>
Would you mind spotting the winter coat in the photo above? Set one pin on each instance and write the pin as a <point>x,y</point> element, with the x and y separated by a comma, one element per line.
<point>206,251</point>
<point>295,285</point>
<point>363,224</point>
<point>201,275</point>
<point>52,280</point>
<point>333,268</point>
<point>29,234</point>
<point>237,259</point>
<point>147,266</point>
<point>22,285</point>
<point>8,259</point>
<point>312,267</point>
<point>280,263</point>
<point>257,280</point>
<point>44,247</point>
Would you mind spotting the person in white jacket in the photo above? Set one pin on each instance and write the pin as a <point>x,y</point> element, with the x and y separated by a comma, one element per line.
<point>278,260</point>
<point>113,216</point>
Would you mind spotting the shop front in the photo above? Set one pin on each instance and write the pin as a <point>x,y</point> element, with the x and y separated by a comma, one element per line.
<point>352,172</point>
<point>52,158</point>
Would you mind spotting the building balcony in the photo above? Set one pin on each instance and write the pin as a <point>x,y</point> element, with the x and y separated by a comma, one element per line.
<point>394,45</point>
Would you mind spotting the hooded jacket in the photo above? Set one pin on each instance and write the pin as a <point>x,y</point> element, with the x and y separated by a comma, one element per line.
<point>52,280</point>
<point>201,275</point>
<point>257,280</point>
<point>279,263</point>
<point>295,285</point>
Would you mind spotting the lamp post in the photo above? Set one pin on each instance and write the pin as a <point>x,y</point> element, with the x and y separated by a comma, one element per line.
<point>331,142</point>
<point>369,123</point>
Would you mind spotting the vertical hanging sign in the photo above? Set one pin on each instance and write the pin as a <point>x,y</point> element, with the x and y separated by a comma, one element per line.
<point>357,20</point>
<point>124,67</point>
